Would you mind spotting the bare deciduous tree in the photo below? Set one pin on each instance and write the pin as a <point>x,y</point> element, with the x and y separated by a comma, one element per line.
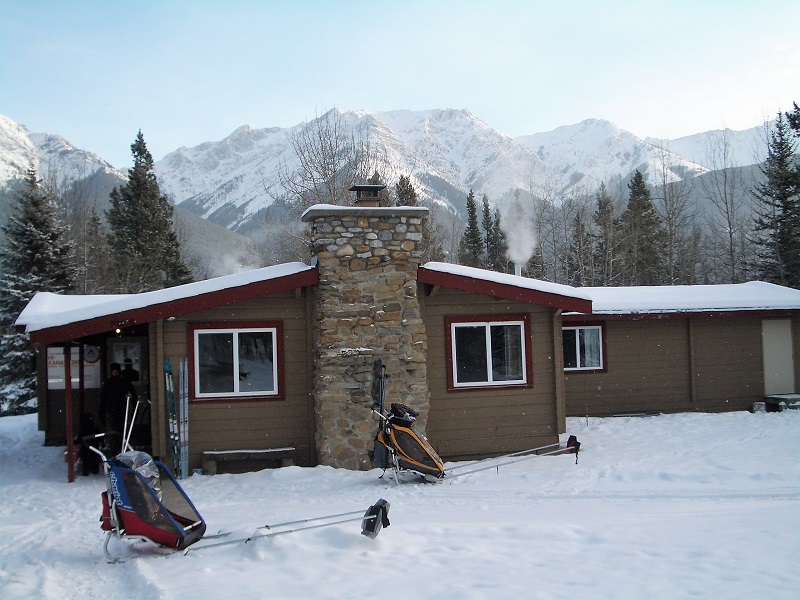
<point>730,223</point>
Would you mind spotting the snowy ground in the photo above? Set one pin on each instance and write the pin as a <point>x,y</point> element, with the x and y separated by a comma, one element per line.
<point>676,506</point>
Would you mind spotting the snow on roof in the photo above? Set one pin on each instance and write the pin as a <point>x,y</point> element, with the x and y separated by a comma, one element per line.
<point>329,209</point>
<point>46,309</point>
<point>753,295</point>
<point>506,279</point>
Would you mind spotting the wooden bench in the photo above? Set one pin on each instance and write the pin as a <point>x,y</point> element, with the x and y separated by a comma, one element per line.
<point>212,458</point>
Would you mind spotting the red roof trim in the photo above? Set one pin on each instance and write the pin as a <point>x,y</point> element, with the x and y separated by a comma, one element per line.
<point>776,313</point>
<point>174,308</point>
<point>502,290</point>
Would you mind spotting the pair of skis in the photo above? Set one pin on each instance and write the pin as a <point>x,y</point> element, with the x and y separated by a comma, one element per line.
<point>178,416</point>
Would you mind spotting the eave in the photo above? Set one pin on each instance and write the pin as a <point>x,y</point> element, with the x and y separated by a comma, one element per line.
<point>173,308</point>
<point>505,291</point>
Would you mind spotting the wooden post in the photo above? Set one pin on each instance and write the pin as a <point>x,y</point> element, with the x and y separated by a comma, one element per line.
<point>68,412</point>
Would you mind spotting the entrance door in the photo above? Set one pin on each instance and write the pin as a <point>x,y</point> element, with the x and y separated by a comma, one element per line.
<point>778,356</point>
<point>131,354</point>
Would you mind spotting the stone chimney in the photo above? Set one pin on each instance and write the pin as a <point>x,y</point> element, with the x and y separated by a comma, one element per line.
<point>366,308</point>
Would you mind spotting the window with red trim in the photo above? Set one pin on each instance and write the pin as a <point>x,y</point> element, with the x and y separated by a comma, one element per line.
<point>488,352</point>
<point>232,360</point>
<point>583,348</point>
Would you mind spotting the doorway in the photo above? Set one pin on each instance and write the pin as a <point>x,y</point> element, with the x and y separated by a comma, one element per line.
<point>778,356</point>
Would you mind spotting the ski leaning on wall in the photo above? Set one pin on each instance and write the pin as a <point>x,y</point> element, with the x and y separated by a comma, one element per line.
<point>183,397</point>
<point>172,416</point>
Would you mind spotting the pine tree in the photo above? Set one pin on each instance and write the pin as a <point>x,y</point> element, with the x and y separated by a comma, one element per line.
<point>430,246</point>
<point>777,223</point>
<point>142,236</point>
<point>406,194</point>
<point>497,248</point>
<point>605,247</point>
<point>643,237</point>
<point>471,251</point>
<point>35,257</point>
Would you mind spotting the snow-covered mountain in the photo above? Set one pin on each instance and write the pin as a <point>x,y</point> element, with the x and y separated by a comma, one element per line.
<point>50,154</point>
<point>446,153</point>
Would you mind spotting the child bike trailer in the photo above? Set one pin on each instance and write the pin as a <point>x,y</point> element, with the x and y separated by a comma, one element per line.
<point>397,445</point>
<point>144,501</point>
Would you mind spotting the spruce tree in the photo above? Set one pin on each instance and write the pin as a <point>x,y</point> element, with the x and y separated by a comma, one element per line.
<point>471,252</point>
<point>430,246</point>
<point>605,246</point>
<point>777,223</point>
<point>35,257</point>
<point>146,249</point>
<point>406,194</point>
<point>643,237</point>
<point>497,247</point>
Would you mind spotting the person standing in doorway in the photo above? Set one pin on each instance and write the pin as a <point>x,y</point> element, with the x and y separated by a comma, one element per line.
<point>113,403</point>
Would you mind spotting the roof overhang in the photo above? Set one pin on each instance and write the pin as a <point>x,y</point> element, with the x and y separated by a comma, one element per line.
<point>173,307</point>
<point>507,287</point>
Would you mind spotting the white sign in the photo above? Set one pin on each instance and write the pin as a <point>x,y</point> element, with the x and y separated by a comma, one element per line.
<point>91,368</point>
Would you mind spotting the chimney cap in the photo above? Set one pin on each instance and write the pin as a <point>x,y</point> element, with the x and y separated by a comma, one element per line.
<point>367,187</point>
<point>367,194</point>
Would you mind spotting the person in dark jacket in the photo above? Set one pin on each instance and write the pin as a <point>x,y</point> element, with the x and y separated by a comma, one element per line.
<point>113,402</point>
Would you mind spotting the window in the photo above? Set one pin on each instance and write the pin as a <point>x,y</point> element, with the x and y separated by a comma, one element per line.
<point>240,362</point>
<point>488,353</point>
<point>583,348</point>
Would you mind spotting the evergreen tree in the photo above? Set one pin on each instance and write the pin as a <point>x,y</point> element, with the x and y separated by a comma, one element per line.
<point>486,224</point>
<point>142,237</point>
<point>643,237</point>
<point>36,257</point>
<point>794,118</point>
<point>580,259</point>
<point>471,251</point>
<point>777,223</point>
<point>406,194</point>
<point>497,246</point>
<point>430,246</point>
<point>384,198</point>
<point>605,247</point>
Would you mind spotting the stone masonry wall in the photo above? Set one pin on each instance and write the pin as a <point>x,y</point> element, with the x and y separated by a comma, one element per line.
<point>366,308</point>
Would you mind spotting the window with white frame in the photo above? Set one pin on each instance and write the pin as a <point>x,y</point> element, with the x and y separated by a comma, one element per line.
<point>488,353</point>
<point>583,348</point>
<point>236,362</point>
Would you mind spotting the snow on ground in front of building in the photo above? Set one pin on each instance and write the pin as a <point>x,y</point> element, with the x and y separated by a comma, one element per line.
<point>671,506</point>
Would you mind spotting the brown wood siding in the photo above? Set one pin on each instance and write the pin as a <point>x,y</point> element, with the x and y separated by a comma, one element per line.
<point>729,372</point>
<point>672,365</point>
<point>646,371</point>
<point>253,424</point>
<point>476,423</point>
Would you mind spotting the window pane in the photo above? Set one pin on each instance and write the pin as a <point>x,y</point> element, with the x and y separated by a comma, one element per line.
<point>215,359</point>
<point>570,354</point>
<point>256,369</point>
<point>506,343</point>
<point>590,348</point>
<point>470,354</point>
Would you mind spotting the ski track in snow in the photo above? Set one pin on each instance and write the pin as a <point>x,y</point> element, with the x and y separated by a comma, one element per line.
<point>673,506</point>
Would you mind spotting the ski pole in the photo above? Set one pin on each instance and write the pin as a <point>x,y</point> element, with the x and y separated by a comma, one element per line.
<point>509,462</point>
<point>520,453</point>
<point>275,533</point>
<point>287,523</point>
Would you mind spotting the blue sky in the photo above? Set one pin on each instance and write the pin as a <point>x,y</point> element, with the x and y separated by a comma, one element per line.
<point>184,73</point>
